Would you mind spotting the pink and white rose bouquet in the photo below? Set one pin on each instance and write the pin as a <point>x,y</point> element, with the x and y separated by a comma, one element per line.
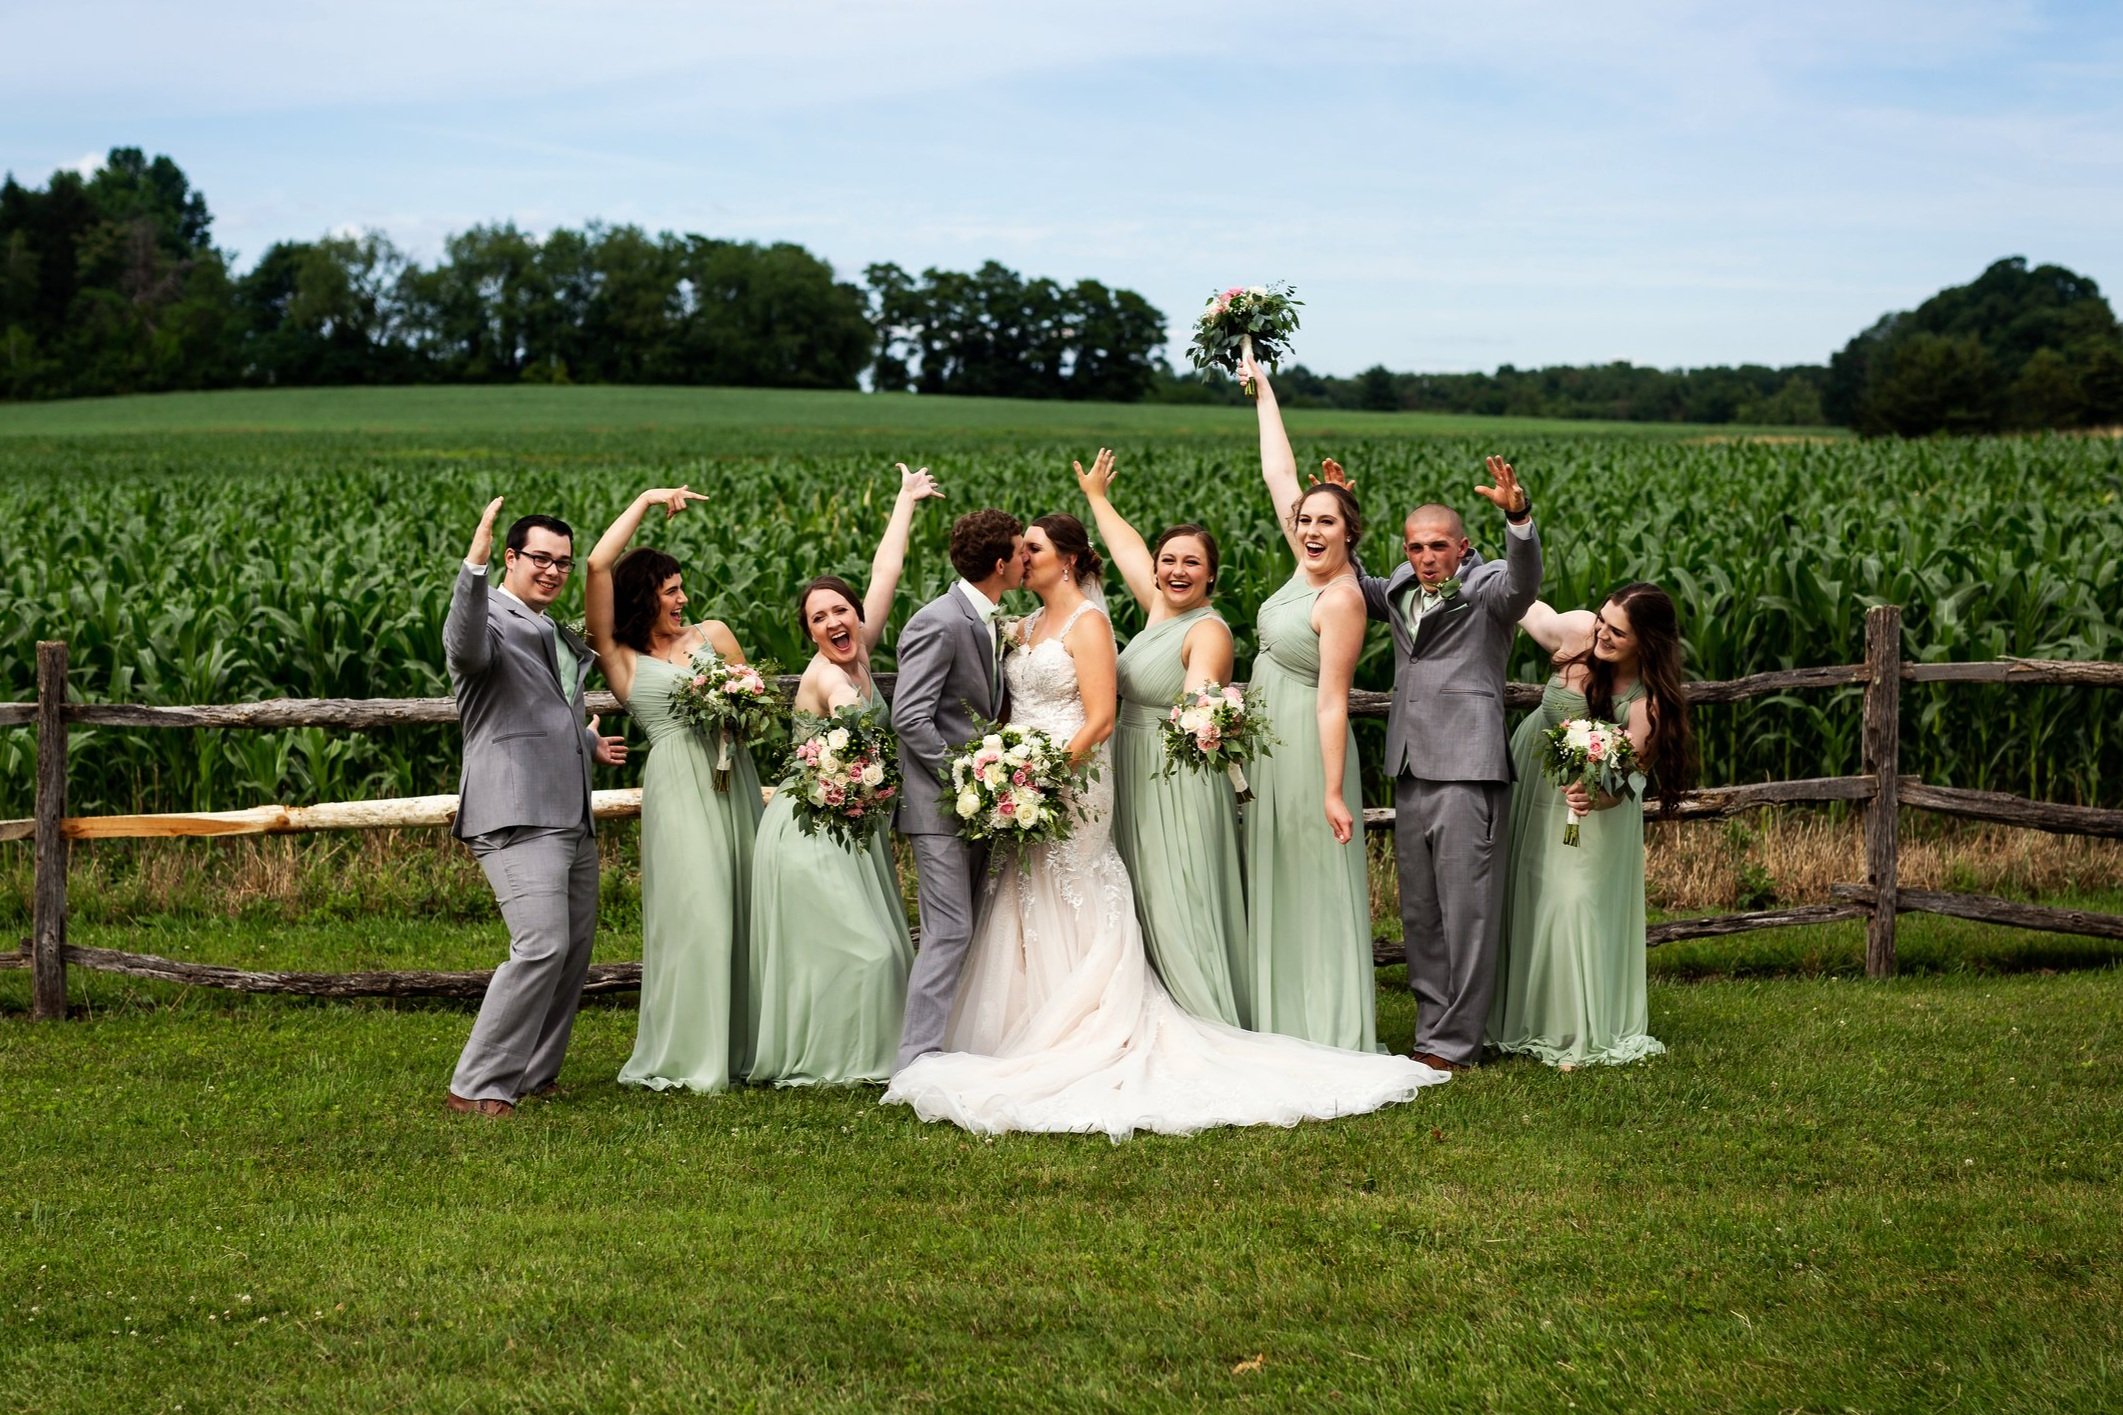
<point>1217,726</point>
<point>1593,754</point>
<point>728,703</point>
<point>844,776</point>
<point>1014,785</point>
<point>1255,318</point>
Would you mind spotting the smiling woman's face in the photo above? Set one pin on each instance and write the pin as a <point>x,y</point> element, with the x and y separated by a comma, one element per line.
<point>833,625</point>
<point>1322,533</point>
<point>1182,573</point>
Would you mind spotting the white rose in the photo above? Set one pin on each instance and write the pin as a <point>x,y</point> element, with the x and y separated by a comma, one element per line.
<point>1256,289</point>
<point>993,742</point>
<point>1578,734</point>
<point>1194,719</point>
<point>873,774</point>
<point>828,764</point>
<point>818,793</point>
<point>994,775</point>
<point>837,739</point>
<point>968,804</point>
<point>1029,810</point>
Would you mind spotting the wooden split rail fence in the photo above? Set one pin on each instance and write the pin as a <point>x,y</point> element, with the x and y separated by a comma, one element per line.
<point>1881,789</point>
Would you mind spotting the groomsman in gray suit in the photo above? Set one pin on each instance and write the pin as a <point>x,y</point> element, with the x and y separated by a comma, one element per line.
<point>524,803</point>
<point>950,670</point>
<point>1453,617</point>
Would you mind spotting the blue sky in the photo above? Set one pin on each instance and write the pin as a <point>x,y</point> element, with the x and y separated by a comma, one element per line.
<point>1450,185</point>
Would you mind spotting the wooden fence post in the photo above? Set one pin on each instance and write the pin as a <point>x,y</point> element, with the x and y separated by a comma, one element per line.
<point>48,931</point>
<point>1883,752</point>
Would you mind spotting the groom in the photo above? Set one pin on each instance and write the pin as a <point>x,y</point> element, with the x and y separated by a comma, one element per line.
<point>1448,752</point>
<point>950,671</point>
<point>524,803</point>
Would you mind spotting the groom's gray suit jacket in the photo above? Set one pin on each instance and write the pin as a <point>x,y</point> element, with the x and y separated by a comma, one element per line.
<point>1447,718</point>
<point>527,753</point>
<point>947,674</point>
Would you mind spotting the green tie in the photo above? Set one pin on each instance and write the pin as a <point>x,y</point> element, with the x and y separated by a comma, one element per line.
<point>564,661</point>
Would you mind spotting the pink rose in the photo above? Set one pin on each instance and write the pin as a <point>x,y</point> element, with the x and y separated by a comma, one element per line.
<point>1021,777</point>
<point>1007,806</point>
<point>884,793</point>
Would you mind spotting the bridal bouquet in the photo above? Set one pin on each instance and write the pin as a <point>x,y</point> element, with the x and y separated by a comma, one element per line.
<point>727,702</point>
<point>1214,726</point>
<point>844,777</point>
<point>1014,785</point>
<point>1596,755</point>
<point>1245,318</point>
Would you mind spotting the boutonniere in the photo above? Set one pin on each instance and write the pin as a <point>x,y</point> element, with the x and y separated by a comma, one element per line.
<point>1006,628</point>
<point>578,628</point>
<point>1447,588</point>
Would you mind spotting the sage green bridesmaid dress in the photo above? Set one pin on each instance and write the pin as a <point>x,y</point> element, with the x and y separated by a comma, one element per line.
<point>696,882</point>
<point>1570,985</point>
<point>1308,969</point>
<point>1177,834</point>
<point>830,952</point>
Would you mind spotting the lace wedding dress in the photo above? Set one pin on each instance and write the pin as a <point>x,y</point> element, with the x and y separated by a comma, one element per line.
<point>1060,1025</point>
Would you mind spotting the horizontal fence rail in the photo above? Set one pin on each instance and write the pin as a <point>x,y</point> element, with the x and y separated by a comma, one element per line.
<point>1881,790</point>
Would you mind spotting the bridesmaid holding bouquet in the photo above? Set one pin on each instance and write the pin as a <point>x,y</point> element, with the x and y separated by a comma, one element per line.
<point>1308,970</point>
<point>830,951</point>
<point>696,835</point>
<point>1176,830</point>
<point>1570,985</point>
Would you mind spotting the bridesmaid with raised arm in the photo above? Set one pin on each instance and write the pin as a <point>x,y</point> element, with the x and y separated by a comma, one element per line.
<point>1177,833</point>
<point>1308,970</point>
<point>696,839</point>
<point>829,941</point>
<point>1570,986</point>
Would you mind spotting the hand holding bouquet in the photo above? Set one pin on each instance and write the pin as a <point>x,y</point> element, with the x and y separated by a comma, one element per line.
<point>844,777</point>
<point>727,702</point>
<point>1595,755</point>
<point>1214,726</point>
<point>1245,319</point>
<point>1013,785</point>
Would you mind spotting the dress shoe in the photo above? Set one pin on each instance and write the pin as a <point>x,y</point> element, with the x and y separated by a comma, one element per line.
<point>494,1108</point>
<point>1438,1063</point>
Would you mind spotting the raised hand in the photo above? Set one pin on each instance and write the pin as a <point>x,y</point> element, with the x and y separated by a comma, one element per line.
<point>673,499</point>
<point>611,751</point>
<point>917,485</point>
<point>1331,474</point>
<point>1250,375</point>
<point>1506,495</point>
<point>483,538</point>
<point>1095,482</point>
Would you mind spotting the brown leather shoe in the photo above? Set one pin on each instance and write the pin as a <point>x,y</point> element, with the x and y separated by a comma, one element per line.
<point>496,1109</point>
<point>1438,1063</point>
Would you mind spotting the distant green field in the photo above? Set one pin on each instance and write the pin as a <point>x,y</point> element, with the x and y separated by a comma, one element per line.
<point>755,416</point>
<point>225,547</point>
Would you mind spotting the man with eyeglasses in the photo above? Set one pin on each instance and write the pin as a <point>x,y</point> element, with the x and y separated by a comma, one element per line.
<point>524,803</point>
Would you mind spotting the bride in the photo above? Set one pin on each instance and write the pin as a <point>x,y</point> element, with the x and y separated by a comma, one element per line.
<point>1059,1024</point>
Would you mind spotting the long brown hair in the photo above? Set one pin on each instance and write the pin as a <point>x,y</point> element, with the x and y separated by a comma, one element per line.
<point>637,588</point>
<point>1344,500</point>
<point>1669,755</point>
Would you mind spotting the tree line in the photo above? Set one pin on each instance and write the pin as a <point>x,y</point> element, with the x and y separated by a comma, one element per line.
<point>110,283</point>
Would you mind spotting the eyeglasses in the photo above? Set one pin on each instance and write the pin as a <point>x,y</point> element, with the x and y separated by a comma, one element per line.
<point>565,564</point>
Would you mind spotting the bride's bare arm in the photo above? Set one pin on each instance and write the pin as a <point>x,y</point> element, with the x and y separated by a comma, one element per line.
<point>1090,643</point>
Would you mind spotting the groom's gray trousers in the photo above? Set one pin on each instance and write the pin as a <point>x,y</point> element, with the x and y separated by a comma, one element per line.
<point>949,871</point>
<point>1448,844</point>
<point>545,879</point>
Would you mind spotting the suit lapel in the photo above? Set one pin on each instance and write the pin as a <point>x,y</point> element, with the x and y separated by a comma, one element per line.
<point>547,632</point>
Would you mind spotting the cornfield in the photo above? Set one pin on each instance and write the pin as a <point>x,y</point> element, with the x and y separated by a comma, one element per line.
<point>219,567</point>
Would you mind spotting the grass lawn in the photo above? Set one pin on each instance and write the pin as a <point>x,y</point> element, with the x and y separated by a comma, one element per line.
<point>768,414</point>
<point>1831,1195</point>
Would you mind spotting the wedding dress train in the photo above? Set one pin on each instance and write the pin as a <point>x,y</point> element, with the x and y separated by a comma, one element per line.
<point>1060,1024</point>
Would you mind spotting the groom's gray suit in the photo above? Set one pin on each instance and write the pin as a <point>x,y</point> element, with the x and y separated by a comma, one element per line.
<point>524,809</point>
<point>1449,755</point>
<point>950,668</point>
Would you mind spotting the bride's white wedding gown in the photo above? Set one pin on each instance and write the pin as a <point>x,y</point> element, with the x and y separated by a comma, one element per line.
<point>1060,1025</point>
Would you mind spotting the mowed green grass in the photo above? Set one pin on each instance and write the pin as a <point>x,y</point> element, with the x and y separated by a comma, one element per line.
<point>766,414</point>
<point>1830,1195</point>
